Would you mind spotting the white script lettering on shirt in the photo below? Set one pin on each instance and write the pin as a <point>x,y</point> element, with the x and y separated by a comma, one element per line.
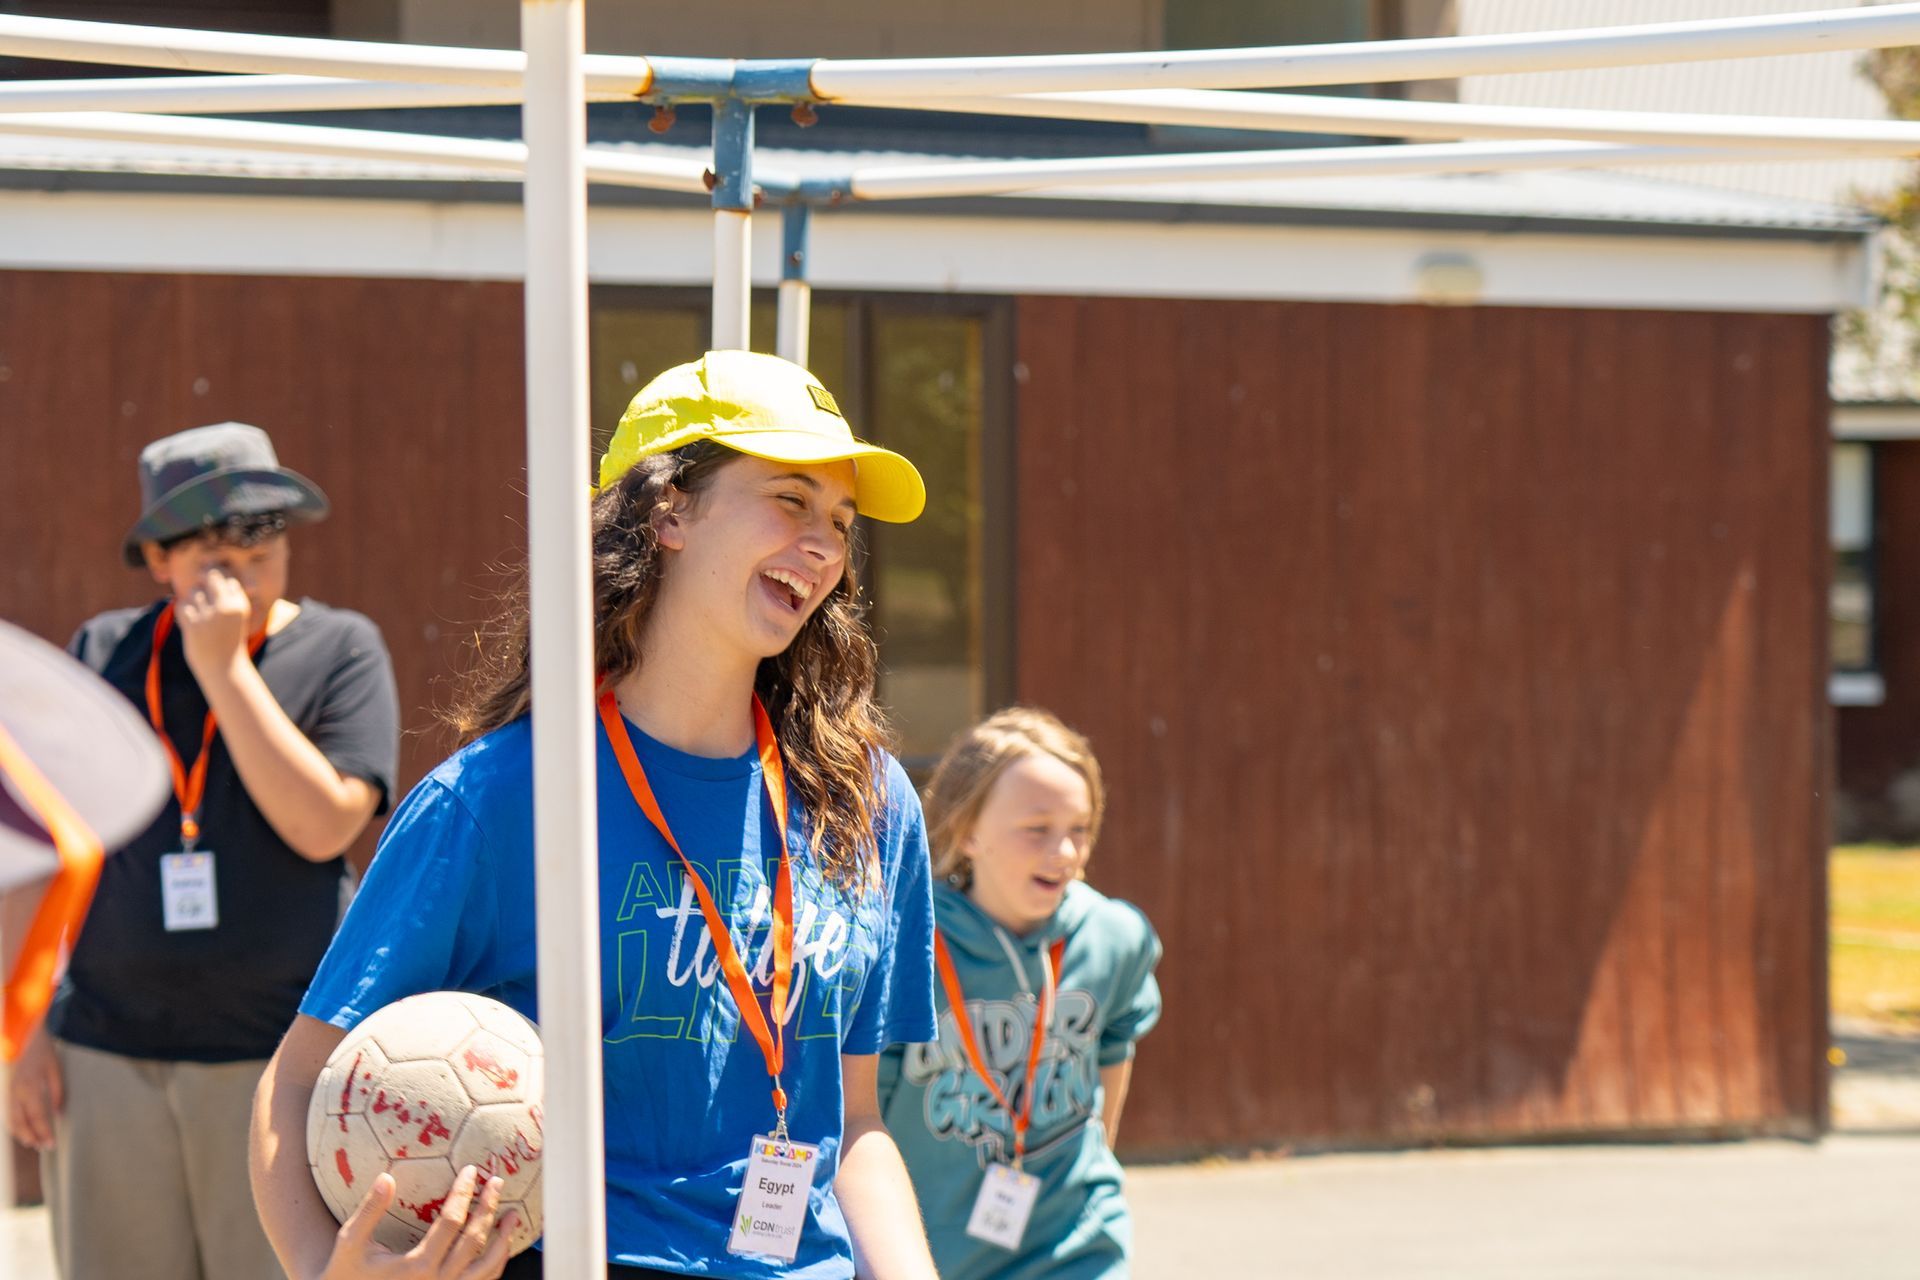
<point>823,951</point>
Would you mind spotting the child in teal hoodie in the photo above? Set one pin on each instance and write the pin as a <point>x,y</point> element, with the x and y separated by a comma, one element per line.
<point>1011,1144</point>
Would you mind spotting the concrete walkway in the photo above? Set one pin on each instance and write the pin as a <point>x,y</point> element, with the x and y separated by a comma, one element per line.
<point>1846,1208</point>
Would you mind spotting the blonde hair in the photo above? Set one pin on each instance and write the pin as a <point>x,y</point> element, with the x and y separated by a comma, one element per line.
<point>974,761</point>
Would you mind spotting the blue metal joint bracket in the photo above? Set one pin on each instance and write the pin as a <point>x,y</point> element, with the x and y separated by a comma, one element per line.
<point>713,79</point>
<point>817,192</point>
<point>689,80</point>
<point>775,79</point>
<point>733,155</point>
<point>796,226</point>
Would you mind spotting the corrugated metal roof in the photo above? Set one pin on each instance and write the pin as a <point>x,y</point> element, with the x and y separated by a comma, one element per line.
<point>1829,85</point>
<point>1597,198</point>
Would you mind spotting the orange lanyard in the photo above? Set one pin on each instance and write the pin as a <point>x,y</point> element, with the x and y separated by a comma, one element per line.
<point>772,1038</point>
<point>30,986</point>
<point>1042,1015</point>
<point>189,787</point>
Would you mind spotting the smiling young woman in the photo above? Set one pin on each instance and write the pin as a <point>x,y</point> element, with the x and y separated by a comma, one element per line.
<point>744,798</point>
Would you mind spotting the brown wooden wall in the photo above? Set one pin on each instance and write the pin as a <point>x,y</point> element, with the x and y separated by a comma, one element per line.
<point>1460,673</point>
<point>403,399</point>
<point>1459,676</point>
<point>1879,747</point>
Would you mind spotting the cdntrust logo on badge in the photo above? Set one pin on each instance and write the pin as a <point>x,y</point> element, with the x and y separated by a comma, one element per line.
<point>746,1222</point>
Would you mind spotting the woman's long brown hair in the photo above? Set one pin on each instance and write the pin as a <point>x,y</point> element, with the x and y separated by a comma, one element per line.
<point>818,693</point>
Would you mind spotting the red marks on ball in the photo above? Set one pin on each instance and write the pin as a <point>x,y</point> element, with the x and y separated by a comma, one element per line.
<point>346,1090</point>
<point>401,1112</point>
<point>433,1128</point>
<point>506,1162</point>
<point>428,1212</point>
<point>487,1065</point>
<point>340,1163</point>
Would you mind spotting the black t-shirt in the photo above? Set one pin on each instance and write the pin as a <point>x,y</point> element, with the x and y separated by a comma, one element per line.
<point>230,992</point>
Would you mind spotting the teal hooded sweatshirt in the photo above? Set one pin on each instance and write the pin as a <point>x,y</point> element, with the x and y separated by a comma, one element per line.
<point>949,1126</point>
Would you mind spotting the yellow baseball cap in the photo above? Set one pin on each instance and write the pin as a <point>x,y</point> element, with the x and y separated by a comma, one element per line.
<point>766,407</point>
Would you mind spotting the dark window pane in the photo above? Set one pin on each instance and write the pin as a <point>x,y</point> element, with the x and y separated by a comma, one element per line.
<point>1852,613</point>
<point>631,342</point>
<point>926,394</point>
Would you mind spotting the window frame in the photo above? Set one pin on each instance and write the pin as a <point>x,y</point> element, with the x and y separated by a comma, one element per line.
<point>1861,686</point>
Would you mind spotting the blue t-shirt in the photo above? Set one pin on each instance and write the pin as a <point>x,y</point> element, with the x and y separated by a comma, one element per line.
<point>449,905</point>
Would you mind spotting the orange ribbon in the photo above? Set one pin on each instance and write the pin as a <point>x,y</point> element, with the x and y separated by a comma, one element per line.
<point>1042,1015</point>
<point>772,1039</point>
<point>64,906</point>
<point>189,786</point>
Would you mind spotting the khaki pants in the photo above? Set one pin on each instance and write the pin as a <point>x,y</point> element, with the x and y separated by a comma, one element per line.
<point>148,1176</point>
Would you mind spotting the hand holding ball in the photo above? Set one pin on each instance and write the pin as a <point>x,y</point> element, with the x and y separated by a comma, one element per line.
<point>421,1089</point>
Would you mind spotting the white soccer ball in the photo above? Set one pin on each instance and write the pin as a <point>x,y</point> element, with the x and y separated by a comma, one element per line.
<point>421,1089</point>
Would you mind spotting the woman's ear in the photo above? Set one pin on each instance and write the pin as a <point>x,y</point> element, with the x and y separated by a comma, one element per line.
<point>670,525</point>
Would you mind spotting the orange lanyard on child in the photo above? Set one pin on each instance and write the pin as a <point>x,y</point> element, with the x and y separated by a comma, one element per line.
<point>772,1039</point>
<point>189,787</point>
<point>30,986</point>
<point>1042,1015</point>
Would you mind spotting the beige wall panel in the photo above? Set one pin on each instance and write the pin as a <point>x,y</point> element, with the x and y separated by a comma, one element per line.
<point>828,28</point>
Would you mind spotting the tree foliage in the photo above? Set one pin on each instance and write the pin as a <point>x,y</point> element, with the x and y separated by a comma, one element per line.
<point>1878,355</point>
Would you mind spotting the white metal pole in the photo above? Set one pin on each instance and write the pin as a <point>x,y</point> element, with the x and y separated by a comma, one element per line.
<point>458,157</point>
<point>560,598</point>
<point>732,279</point>
<point>907,182</point>
<point>179,49</point>
<point>1393,118</point>
<point>794,323</point>
<point>732,225</point>
<point>795,308</point>
<point>188,95</point>
<point>796,305</point>
<point>910,80</point>
<point>613,168</point>
<point>1197,108</point>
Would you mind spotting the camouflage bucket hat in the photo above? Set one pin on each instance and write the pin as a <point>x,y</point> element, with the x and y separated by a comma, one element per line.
<point>202,478</point>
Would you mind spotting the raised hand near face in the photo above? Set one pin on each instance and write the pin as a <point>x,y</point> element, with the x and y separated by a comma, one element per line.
<point>214,619</point>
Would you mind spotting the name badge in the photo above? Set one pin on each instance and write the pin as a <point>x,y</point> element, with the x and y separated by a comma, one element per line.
<point>773,1203</point>
<point>187,896</point>
<point>1005,1203</point>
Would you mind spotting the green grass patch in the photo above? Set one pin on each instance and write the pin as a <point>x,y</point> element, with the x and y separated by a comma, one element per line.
<point>1875,893</point>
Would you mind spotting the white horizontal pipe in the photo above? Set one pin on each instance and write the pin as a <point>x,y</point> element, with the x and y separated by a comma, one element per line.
<point>1385,118</point>
<point>906,81</point>
<point>883,182</point>
<point>610,168</point>
<point>906,182</point>
<point>190,95</point>
<point>1199,108</point>
<point>178,49</point>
